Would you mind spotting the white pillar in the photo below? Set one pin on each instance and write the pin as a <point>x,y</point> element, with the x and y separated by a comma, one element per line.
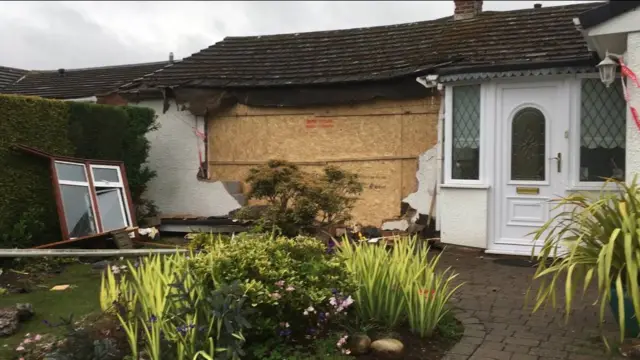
<point>632,59</point>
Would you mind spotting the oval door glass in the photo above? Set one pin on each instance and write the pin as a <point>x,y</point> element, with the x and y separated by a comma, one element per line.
<point>528,145</point>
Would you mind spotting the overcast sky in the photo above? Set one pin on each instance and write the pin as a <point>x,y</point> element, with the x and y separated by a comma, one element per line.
<point>66,34</point>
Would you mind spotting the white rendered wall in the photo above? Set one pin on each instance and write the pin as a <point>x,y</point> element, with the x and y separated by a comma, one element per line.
<point>633,133</point>
<point>174,157</point>
<point>463,216</point>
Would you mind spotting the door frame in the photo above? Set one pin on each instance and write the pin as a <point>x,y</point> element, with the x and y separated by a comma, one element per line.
<point>498,165</point>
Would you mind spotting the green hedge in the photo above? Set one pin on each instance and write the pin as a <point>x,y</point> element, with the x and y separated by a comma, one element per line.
<point>27,207</point>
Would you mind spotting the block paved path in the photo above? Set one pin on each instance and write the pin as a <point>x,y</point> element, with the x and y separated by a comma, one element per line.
<point>498,326</point>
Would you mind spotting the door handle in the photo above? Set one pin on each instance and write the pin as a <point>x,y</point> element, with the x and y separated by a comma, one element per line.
<point>559,159</point>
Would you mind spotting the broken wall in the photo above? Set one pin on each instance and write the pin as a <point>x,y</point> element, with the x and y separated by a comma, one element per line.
<point>380,140</point>
<point>176,190</point>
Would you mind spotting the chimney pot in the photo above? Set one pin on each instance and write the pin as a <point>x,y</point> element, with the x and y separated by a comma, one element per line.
<point>61,72</point>
<point>171,58</point>
<point>466,9</point>
<point>537,6</point>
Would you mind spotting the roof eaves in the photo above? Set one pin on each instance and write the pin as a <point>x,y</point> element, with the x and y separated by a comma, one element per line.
<point>591,61</point>
<point>608,11</point>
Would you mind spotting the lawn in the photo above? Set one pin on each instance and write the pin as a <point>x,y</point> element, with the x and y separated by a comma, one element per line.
<point>81,299</point>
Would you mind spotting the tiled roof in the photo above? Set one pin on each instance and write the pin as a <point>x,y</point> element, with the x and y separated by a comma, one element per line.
<point>10,75</point>
<point>526,37</point>
<point>79,83</point>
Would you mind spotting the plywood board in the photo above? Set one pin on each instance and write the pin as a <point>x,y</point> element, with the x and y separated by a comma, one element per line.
<point>379,140</point>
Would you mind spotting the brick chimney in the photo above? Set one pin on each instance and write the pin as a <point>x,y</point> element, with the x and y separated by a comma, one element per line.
<point>466,9</point>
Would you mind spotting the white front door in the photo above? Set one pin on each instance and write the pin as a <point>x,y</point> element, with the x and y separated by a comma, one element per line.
<point>531,161</point>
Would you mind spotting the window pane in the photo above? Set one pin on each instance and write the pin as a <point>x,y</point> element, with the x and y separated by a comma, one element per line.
<point>110,204</point>
<point>71,172</point>
<point>465,116</point>
<point>602,131</point>
<point>528,145</point>
<point>102,174</point>
<point>78,214</point>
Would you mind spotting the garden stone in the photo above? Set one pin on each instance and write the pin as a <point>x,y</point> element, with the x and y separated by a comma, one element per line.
<point>100,265</point>
<point>8,321</point>
<point>359,344</point>
<point>25,311</point>
<point>388,348</point>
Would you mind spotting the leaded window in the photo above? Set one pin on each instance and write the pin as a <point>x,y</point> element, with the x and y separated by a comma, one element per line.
<point>465,133</point>
<point>602,131</point>
<point>528,158</point>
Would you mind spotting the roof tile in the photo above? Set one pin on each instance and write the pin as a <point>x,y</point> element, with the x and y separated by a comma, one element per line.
<point>78,83</point>
<point>513,37</point>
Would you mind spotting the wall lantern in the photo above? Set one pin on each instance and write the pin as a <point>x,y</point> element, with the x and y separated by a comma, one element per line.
<point>607,68</point>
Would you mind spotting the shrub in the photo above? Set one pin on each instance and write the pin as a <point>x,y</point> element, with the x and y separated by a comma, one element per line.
<point>593,237</point>
<point>298,290</point>
<point>400,285</point>
<point>296,199</point>
<point>163,305</point>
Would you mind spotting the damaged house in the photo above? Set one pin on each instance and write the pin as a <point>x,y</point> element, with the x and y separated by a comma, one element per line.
<point>492,113</point>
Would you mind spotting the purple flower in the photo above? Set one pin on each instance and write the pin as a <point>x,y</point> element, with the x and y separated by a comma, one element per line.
<point>153,319</point>
<point>334,291</point>
<point>285,332</point>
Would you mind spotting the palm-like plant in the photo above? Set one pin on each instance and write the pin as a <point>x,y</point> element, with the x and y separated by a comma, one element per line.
<point>593,237</point>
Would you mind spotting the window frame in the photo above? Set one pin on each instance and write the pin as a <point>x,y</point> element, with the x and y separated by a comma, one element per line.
<point>87,184</point>
<point>110,184</point>
<point>89,165</point>
<point>575,184</point>
<point>448,136</point>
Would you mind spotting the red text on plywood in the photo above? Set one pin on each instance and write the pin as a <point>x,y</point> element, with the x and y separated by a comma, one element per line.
<point>319,123</point>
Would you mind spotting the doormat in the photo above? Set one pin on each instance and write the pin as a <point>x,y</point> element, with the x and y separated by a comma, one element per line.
<point>517,262</point>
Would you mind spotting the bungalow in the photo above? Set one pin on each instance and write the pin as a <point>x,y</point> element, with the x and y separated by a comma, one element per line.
<point>521,116</point>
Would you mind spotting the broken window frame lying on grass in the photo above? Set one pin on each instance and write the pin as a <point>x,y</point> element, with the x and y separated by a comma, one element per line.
<point>95,225</point>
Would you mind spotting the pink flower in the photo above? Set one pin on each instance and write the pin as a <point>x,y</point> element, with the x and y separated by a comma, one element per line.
<point>276,296</point>
<point>20,348</point>
<point>290,288</point>
<point>280,283</point>
<point>27,341</point>
<point>38,337</point>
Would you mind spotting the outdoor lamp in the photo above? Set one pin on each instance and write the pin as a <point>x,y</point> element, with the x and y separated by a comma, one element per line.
<point>607,68</point>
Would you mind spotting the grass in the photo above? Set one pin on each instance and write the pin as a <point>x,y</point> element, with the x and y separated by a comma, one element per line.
<point>80,300</point>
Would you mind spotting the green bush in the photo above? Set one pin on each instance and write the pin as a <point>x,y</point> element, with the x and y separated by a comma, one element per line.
<point>298,201</point>
<point>399,286</point>
<point>64,129</point>
<point>295,286</point>
<point>168,313</point>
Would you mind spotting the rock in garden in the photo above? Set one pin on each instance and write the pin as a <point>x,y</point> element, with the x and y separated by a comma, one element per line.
<point>100,265</point>
<point>25,311</point>
<point>359,344</point>
<point>8,321</point>
<point>388,348</point>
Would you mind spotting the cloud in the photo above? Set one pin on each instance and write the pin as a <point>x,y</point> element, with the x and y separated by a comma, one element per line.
<point>51,35</point>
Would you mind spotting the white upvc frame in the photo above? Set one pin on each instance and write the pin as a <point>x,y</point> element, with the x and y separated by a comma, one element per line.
<point>85,184</point>
<point>574,138</point>
<point>450,182</point>
<point>110,184</point>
